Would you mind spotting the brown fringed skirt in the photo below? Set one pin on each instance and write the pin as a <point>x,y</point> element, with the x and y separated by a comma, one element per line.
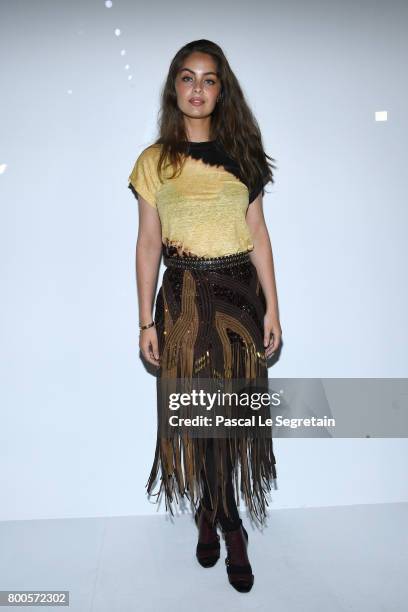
<point>209,321</point>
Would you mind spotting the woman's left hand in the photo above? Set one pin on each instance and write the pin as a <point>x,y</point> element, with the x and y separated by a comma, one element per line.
<point>272,334</point>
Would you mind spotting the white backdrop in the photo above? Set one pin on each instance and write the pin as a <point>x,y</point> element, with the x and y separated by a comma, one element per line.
<point>78,412</point>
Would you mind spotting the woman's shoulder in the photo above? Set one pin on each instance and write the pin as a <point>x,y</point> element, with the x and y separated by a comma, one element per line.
<point>144,176</point>
<point>151,151</point>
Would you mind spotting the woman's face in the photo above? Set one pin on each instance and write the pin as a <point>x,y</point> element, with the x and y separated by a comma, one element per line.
<point>197,85</point>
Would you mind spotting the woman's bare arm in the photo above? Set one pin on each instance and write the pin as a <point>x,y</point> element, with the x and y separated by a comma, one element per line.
<point>148,255</point>
<point>262,258</point>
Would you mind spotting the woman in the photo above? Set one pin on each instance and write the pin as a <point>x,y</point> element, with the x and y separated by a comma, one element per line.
<point>200,188</point>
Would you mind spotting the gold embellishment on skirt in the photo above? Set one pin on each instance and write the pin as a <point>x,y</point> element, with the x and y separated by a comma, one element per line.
<point>210,325</point>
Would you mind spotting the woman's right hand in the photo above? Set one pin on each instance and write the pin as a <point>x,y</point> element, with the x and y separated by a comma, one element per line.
<point>149,345</point>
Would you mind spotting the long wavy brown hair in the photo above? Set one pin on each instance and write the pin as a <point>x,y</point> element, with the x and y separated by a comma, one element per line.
<point>232,122</point>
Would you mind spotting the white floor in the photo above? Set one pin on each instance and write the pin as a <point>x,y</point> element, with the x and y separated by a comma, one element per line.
<point>345,558</point>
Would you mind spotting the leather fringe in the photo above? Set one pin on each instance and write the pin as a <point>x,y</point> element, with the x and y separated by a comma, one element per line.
<point>210,325</point>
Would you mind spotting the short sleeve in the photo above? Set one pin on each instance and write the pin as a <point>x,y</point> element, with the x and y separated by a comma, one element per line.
<point>257,190</point>
<point>144,178</point>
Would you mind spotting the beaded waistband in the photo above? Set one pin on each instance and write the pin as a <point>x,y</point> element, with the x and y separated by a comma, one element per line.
<point>206,263</point>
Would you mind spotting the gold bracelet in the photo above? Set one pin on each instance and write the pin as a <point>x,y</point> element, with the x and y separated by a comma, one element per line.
<point>146,326</point>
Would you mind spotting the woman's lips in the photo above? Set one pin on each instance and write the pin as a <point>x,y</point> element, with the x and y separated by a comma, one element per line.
<point>196,102</point>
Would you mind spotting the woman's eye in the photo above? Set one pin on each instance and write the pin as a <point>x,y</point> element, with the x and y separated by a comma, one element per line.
<point>188,78</point>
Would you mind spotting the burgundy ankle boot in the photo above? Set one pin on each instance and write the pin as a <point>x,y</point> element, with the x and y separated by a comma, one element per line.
<point>239,570</point>
<point>208,546</point>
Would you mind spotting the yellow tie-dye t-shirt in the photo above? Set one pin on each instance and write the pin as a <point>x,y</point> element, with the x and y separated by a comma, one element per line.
<point>202,211</point>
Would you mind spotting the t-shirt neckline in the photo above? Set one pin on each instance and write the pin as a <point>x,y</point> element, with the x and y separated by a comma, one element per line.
<point>203,142</point>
